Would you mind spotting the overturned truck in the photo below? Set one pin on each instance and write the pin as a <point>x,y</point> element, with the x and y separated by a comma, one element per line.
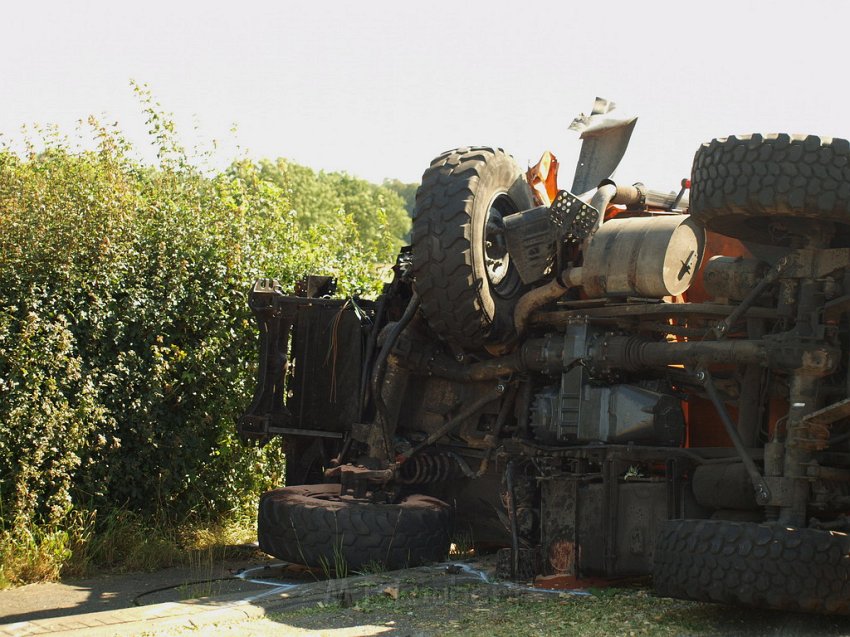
<point>603,381</point>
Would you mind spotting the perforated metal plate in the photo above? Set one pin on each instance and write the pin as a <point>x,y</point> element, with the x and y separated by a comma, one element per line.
<point>575,218</point>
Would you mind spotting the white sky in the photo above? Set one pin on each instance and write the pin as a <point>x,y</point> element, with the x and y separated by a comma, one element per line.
<point>380,88</point>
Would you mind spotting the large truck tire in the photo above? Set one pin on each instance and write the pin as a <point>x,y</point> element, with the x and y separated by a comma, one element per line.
<point>762,565</point>
<point>461,267</point>
<point>315,525</point>
<point>740,185</point>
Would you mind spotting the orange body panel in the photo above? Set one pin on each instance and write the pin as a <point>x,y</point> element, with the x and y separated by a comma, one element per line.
<point>543,179</point>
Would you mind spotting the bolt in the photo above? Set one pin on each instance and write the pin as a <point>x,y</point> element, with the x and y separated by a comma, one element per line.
<point>500,388</point>
<point>459,357</point>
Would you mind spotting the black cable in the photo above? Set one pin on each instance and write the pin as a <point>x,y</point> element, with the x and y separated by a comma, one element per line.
<point>136,599</point>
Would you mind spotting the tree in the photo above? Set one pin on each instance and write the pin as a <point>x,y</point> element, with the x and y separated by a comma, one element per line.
<point>404,190</point>
<point>378,212</point>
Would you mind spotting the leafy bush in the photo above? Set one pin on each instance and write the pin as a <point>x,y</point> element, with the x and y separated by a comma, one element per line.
<point>126,345</point>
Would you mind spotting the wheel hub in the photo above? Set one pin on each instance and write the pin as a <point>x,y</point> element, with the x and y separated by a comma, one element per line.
<point>497,260</point>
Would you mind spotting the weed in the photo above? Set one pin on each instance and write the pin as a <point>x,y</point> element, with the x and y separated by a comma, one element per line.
<point>122,540</point>
<point>462,545</point>
<point>634,472</point>
<point>372,567</point>
<point>201,581</point>
<point>338,569</point>
<point>32,555</point>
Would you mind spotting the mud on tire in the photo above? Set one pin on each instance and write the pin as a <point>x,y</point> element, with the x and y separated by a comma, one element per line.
<point>468,290</point>
<point>311,524</point>
<point>742,184</point>
<point>763,565</point>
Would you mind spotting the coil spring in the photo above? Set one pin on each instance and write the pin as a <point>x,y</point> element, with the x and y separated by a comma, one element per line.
<point>426,468</point>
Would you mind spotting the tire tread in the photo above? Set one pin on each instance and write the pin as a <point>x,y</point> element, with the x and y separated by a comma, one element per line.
<point>768,566</point>
<point>295,526</point>
<point>443,265</point>
<point>742,180</point>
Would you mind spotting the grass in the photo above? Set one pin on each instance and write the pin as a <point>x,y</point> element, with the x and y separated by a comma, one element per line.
<point>503,612</point>
<point>123,541</point>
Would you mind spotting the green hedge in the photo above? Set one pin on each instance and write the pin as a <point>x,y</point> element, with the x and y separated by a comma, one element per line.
<point>126,346</point>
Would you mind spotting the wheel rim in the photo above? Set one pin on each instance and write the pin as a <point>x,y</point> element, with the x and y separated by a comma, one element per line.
<point>502,275</point>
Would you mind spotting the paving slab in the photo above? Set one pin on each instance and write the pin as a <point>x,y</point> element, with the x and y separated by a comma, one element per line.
<point>113,591</point>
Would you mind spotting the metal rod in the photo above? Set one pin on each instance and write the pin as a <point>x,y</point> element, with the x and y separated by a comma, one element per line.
<point>760,486</point>
<point>508,403</point>
<point>509,479</point>
<point>454,422</point>
<point>722,328</point>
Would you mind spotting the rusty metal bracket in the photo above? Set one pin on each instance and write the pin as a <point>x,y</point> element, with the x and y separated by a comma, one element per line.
<point>355,480</point>
<point>829,414</point>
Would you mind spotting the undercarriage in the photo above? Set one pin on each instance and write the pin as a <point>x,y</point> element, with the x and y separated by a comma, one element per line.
<point>604,381</point>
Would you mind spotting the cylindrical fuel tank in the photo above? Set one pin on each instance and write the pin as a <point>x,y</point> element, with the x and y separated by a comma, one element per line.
<point>648,257</point>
